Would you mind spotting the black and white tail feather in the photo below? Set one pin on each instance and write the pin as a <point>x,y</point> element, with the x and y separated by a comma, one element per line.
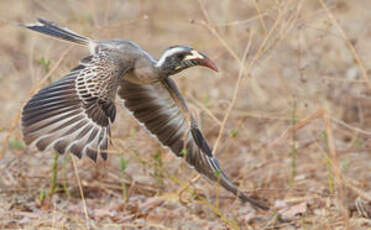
<point>53,30</point>
<point>75,113</point>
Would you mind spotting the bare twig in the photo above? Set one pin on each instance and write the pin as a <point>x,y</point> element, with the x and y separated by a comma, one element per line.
<point>204,108</point>
<point>334,163</point>
<point>81,192</point>
<point>243,22</point>
<point>260,15</point>
<point>235,93</point>
<point>318,114</point>
<point>357,58</point>
<point>356,129</point>
<point>241,62</point>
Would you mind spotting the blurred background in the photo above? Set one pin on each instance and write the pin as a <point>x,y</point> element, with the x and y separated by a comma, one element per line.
<point>289,116</point>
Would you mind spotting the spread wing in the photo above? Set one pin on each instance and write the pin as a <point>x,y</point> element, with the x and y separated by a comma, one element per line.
<point>75,112</point>
<point>162,110</point>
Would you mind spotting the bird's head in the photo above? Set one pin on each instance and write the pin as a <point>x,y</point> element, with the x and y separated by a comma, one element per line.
<point>177,58</point>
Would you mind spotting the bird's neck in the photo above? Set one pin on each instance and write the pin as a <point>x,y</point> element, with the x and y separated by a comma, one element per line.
<point>162,70</point>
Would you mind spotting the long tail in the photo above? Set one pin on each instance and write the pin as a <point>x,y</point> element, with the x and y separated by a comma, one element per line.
<point>226,182</point>
<point>52,29</point>
<point>212,169</point>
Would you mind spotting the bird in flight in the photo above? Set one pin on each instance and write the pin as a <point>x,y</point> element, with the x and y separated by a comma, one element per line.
<point>74,114</point>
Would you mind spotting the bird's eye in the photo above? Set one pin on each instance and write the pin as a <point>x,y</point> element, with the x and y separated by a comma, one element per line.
<point>180,56</point>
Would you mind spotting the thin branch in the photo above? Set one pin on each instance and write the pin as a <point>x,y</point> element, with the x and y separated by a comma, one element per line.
<point>257,7</point>
<point>242,22</point>
<point>235,93</point>
<point>239,61</point>
<point>81,192</point>
<point>356,129</point>
<point>348,43</point>
<point>334,163</point>
<point>204,108</point>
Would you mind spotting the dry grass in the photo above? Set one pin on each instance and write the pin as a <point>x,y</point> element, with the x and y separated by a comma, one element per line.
<point>289,117</point>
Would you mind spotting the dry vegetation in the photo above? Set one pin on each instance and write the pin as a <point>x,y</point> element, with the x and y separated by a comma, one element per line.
<point>289,117</point>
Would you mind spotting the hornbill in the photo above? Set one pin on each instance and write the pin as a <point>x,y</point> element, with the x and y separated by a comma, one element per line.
<point>75,113</point>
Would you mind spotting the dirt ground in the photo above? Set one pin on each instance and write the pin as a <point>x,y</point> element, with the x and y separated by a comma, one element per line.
<point>288,115</point>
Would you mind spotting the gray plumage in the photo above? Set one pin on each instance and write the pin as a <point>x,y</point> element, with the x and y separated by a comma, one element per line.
<point>75,113</point>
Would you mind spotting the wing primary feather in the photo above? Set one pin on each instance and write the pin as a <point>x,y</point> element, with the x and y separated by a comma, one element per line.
<point>162,110</point>
<point>200,141</point>
<point>92,154</point>
<point>74,113</point>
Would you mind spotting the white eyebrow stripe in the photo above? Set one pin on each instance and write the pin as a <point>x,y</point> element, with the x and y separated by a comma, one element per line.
<point>168,53</point>
<point>194,55</point>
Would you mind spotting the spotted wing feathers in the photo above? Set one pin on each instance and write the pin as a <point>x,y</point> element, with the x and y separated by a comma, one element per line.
<point>75,112</point>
